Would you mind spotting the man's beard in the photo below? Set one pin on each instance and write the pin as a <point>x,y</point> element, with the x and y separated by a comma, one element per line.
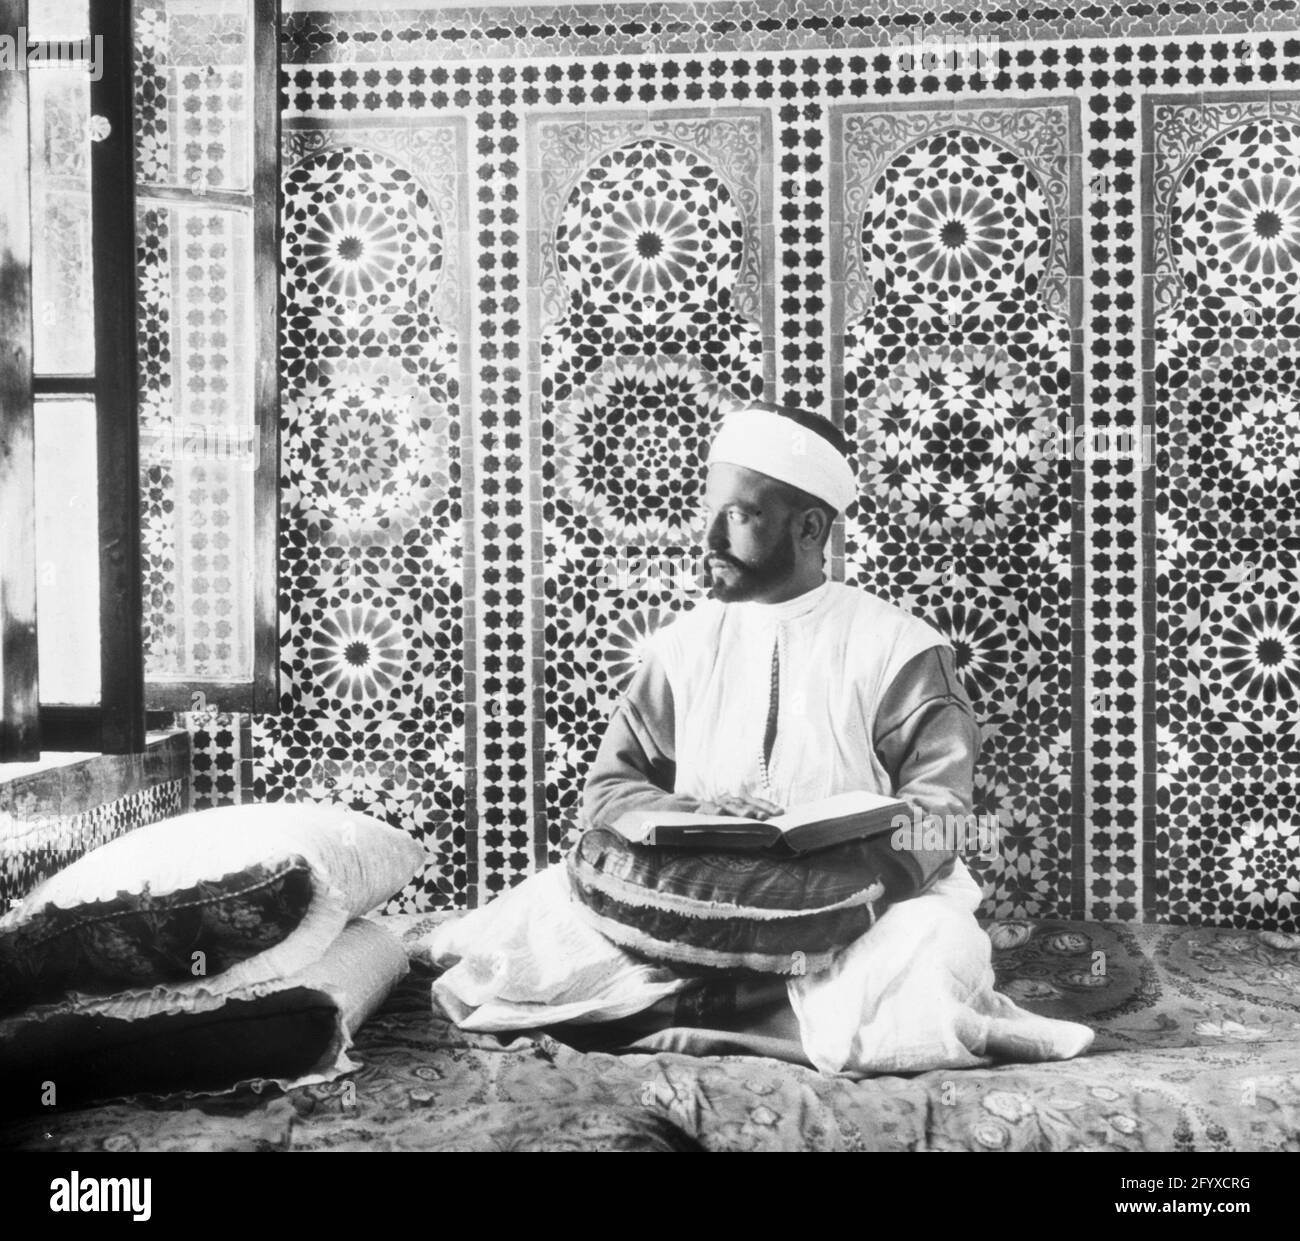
<point>745,580</point>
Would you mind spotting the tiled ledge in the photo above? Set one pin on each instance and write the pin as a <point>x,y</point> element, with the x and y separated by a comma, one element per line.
<point>68,784</point>
<point>54,811</point>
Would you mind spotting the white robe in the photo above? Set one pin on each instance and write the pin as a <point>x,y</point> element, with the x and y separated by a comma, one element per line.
<point>914,993</point>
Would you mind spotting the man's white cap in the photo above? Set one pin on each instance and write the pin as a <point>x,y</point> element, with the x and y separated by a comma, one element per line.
<point>764,440</point>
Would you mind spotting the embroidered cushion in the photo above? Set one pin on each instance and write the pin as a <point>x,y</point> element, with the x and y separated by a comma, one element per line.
<point>290,1031</point>
<point>205,902</point>
<point>744,911</point>
<point>138,939</point>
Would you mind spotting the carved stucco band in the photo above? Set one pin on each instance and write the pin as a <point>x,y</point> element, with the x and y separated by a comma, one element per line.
<point>1039,135</point>
<point>432,154</point>
<point>735,147</point>
<point>1181,132</point>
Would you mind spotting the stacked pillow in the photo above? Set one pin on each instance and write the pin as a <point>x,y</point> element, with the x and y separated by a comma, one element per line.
<point>202,951</point>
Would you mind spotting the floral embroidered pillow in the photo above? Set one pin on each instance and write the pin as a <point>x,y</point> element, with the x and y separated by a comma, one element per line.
<point>258,892</point>
<point>140,940</point>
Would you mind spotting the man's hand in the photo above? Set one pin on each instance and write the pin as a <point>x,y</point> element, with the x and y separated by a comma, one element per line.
<point>741,807</point>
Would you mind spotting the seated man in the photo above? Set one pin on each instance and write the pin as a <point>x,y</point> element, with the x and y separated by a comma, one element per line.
<point>780,689</point>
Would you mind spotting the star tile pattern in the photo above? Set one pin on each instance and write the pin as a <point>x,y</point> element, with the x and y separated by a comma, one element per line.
<point>374,623</point>
<point>657,238</point>
<point>1225,280</point>
<point>44,844</point>
<point>958,351</point>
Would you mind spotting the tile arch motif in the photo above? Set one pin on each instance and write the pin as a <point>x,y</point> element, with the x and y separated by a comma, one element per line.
<point>378,608</point>
<point>733,146</point>
<point>432,156</point>
<point>1184,130</point>
<point>870,141</point>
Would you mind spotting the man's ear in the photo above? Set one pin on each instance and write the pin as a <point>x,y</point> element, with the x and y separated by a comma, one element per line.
<point>814,526</point>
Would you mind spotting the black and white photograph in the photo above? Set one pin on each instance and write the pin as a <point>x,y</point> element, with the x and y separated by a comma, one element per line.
<point>672,576</point>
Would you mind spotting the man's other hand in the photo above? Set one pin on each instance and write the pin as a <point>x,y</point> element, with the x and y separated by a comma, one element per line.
<point>741,807</point>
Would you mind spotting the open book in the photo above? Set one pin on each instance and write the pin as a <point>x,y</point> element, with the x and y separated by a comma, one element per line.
<point>816,825</point>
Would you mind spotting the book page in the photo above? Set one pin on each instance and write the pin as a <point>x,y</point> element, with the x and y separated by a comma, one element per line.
<point>838,807</point>
<point>685,818</point>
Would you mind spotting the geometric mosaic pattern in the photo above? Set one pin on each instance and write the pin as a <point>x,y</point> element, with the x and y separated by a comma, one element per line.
<point>36,848</point>
<point>221,757</point>
<point>373,624</point>
<point>651,271</point>
<point>193,79</point>
<point>957,395</point>
<point>566,373</point>
<point>1227,185</point>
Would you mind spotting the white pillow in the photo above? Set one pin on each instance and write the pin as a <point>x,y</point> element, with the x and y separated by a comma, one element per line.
<point>356,863</point>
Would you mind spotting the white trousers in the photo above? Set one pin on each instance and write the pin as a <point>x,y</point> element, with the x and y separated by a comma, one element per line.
<point>914,993</point>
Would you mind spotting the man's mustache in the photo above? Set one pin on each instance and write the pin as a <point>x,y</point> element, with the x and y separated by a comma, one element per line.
<point>704,579</point>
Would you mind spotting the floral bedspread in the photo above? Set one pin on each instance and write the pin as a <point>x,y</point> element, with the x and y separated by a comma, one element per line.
<point>1198,1048</point>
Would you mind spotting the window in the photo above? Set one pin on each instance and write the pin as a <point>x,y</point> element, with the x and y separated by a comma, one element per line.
<point>207,181</point>
<point>139,440</point>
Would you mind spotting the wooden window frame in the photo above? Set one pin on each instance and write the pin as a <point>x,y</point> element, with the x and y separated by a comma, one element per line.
<point>19,724</point>
<point>117,414</point>
<point>118,724</point>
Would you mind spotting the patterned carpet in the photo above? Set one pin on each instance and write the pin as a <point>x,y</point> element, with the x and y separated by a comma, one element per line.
<point>1198,1048</point>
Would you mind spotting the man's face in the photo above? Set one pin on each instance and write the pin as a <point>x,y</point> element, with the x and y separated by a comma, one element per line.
<point>749,536</point>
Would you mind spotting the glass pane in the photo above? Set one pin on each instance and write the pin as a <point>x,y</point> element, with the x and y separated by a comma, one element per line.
<point>62,292</point>
<point>195,272</point>
<point>198,443</point>
<point>198,573</point>
<point>67,551</point>
<point>193,86</point>
<point>64,20</point>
